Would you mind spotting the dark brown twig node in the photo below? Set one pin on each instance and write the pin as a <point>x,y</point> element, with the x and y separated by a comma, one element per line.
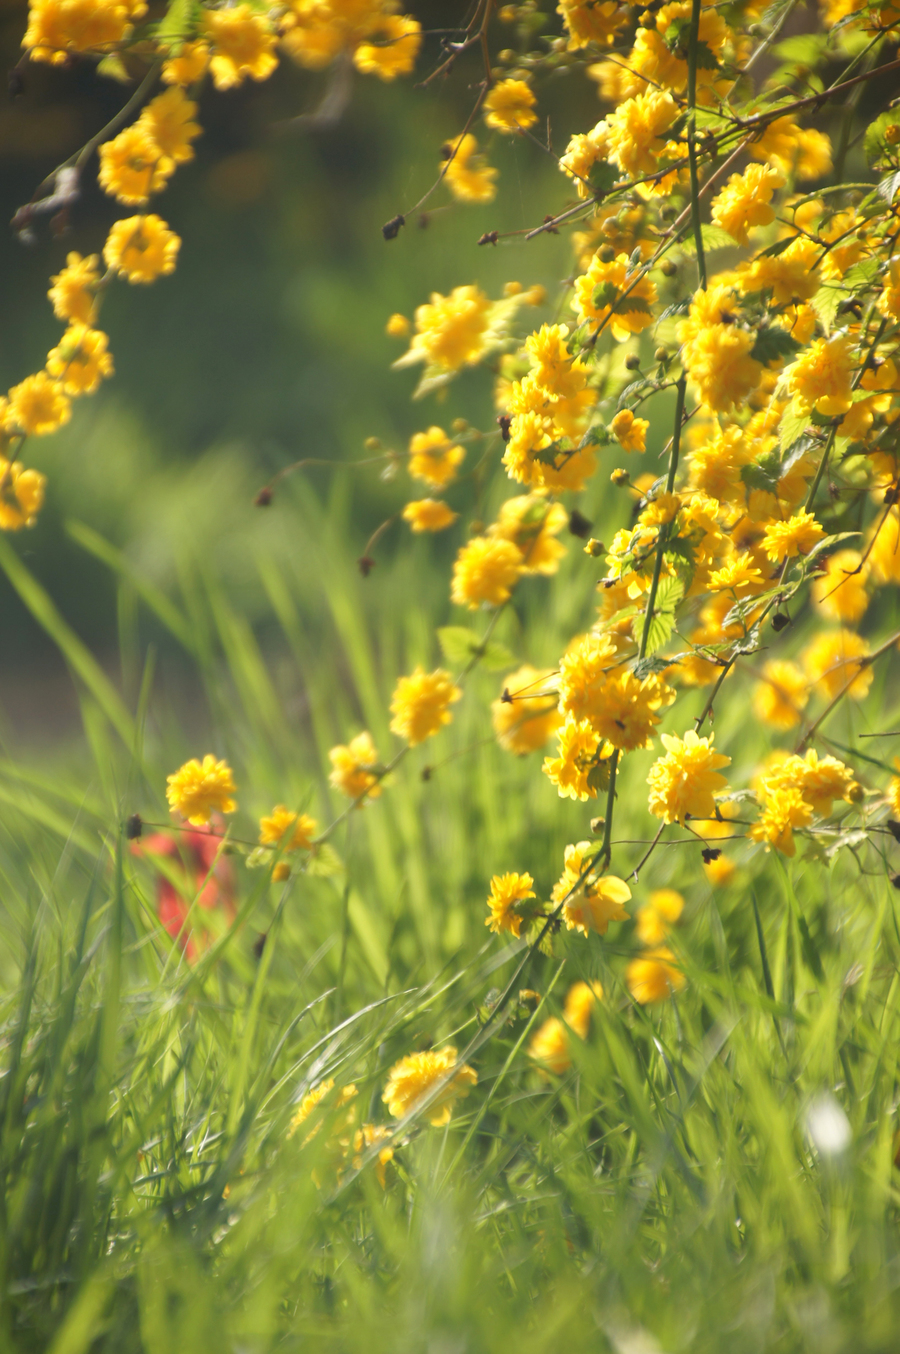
<point>391,229</point>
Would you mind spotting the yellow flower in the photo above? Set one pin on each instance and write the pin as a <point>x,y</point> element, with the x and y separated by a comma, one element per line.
<point>889,301</point>
<point>884,553</point>
<point>840,591</point>
<point>21,495</point>
<point>583,671</point>
<point>577,770</point>
<point>188,66</point>
<point>37,406</point>
<point>719,363</point>
<point>398,326</point>
<point>450,330</point>
<point>653,976</point>
<point>415,1076</point>
<point>243,45</point>
<point>74,289</point>
<point>790,275</point>
<point>781,695</point>
<point>198,789</point>
<point>625,713</point>
<point>468,176</point>
<point>581,154</point>
<point>685,780</point>
<point>592,902</point>
<point>509,106</point>
<point>532,525</point>
<point>507,891</point>
<point>592,21</point>
<point>167,120</point>
<point>796,536</point>
<point>785,809</point>
<point>630,432</point>
<point>354,768</point>
<point>58,27</point>
<point>820,377</point>
<point>433,458</point>
<point>420,704</point>
<point>132,166</point>
<point>658,915</point>
<point>738,575</point>
<point>368,1136</point>
<point>142,248</point>
<point>525,721</point>
<point>636,130</point>
<point>429,514</point>
<point>80,360</point>
<point>600,296</point>
<point>743,204</point>
<point>486,571</point>
<point>397,39</point>
<point>273,829</point>
<point>556,373</point>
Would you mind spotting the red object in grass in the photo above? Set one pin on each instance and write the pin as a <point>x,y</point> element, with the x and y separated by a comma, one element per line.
<point>193,855</point>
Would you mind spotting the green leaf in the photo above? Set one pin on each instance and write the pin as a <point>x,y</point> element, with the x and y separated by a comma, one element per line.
<point>714,237</point>
<point>805,49</point>
<point>774,344</point>
<point>604,294</point>
<point>763,473</point>
<point>875,146</point>
<point>324,862</point>
<point>113,68</point>
<point>792,427</point>
<point>676,308</point>
<point>458,644</point>
<point>669,593</point>
<point>494,657</point>
<point>602,178</point>
<point>632,305</point>
<point>178,23</point>
<point>645,667</point>
<point>662,623</point>
<point>826,302</point>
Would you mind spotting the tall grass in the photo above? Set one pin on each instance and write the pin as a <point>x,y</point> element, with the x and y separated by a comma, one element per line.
<point>685,1186</point>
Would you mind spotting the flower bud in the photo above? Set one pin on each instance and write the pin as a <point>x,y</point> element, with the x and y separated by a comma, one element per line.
<point>855,793</point>
<point>668,268</point>
<point>620,478</point>
<point>632,362</point>
<point>595,548</point>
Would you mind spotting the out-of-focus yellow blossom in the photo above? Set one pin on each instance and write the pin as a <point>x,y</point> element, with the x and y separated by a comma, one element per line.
<point>74,289</point>
<point>80,360</point>
<point>820,780</point>
<point>629,432</point>
<point>592,902</point>
<point>781,695</point>
<point>581,154</point>
<point>141,248</point>
<point>168,120</point>
<point>21,495</point>
<point>892,794</point>
<point>485,572</point>
<point>796,536</point>
<point>188,66</point>
<point>684,781</point>
<point>366,1137</point>
<point>132,166</point>
<point>468,175</point>
<point>433,458</point>
<point>549,1047</point>
<point>532,524</point>
<point>37,406</point>
<point>717,351</point>
<point>199,789</point>
<point>509,106</point>
<point>840,591</point>
<point>243,45</point>
<point>889,300</point>
<point>658,915</point>
<point>56,28</point>
<point>354,767</point>
<point>273,829</point>
<point>884,548</point>
<point>653,976</point>
<point>722,870</point>
<point>530,716</point>
<point>392,47</point>
<point>833,658</point>
<point>581,999</point>
<point>420,704</point>
<point>412,1079</point>
<point>744,203</point>
<point>802,152</point>
<point>429,514</point>
<point>507,892</point>
<point>450,330</point>
<point>790,275</point>
<point>398,326</point>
